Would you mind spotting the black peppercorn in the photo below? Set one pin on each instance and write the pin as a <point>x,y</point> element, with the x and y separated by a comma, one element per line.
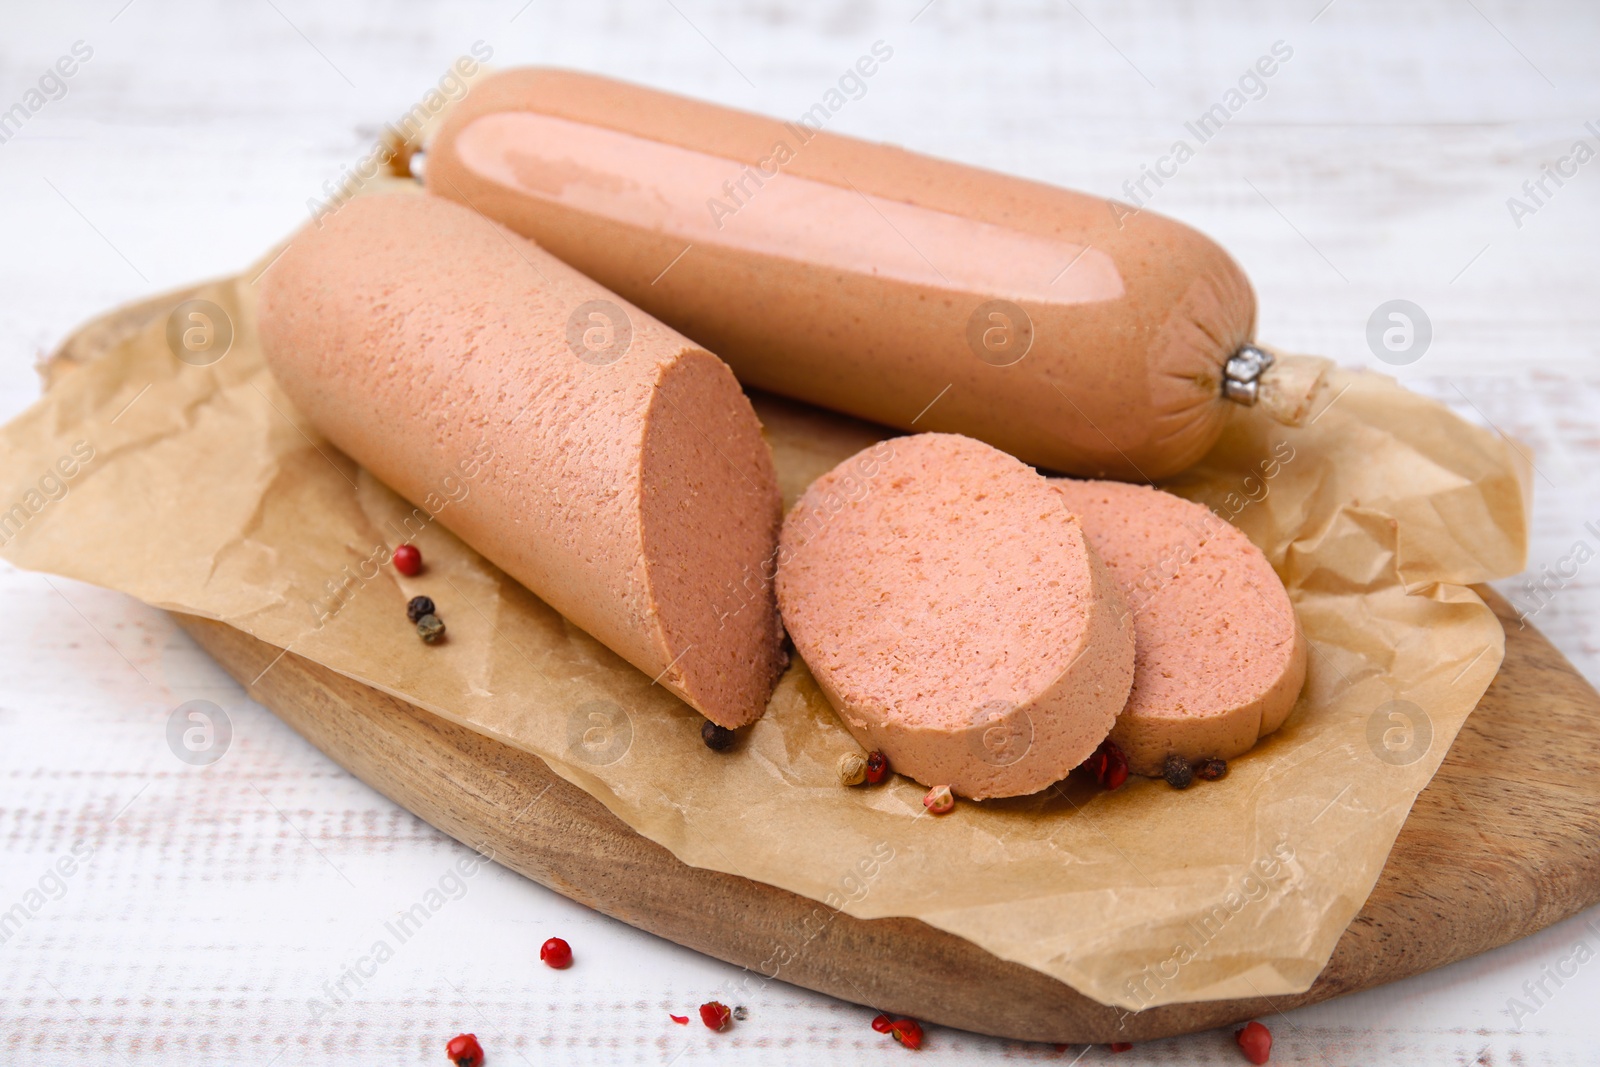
<point>1211,769</point>
<point>430,628</point>
<point>717,738</point>
<point>418,606</point>
<point>1177,772</point>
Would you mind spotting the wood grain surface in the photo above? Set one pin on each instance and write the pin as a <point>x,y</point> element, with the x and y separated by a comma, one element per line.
<point>1503,842</point>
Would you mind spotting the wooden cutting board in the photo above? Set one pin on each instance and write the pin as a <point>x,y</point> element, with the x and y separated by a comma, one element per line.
<point>1505,841</point>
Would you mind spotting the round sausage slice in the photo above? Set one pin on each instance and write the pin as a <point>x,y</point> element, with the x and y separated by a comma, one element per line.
<point>628,484</point>
<point>954,614</point>
<point>1220,657</point>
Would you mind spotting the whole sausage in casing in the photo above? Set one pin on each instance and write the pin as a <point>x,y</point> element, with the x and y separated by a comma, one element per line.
<point>1075,334</point>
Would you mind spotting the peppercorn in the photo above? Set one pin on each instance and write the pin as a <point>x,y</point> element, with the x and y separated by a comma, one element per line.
<point>418,606</point>
<point>1177,772</point>
<point>908,1032</point>
<point>852,768</point>
<point>408,560</point>
<point>939,800</point>
<point>877,767</point>
<point>464,1050</point>
<point>1211,769</point>
<point>556,953</point>
<point>1122,1046</point>
<point>740,1012</point>
<point>717,738</point>
<point>715,1015</point>
<point>1109,766</point>
<point>1255,1041</point>
<point>882,1023</point>
<point>430,628</point>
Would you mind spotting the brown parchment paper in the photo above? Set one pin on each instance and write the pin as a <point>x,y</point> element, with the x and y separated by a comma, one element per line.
<point>206,494</point>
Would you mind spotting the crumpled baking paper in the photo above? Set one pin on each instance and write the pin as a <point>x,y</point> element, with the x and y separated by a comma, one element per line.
<point>192,484</point>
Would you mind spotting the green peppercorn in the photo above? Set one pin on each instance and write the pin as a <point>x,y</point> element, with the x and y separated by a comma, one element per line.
<point>430,628</point>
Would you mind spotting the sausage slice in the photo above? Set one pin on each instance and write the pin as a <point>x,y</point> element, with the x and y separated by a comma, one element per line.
<point>954,615</point>
<point>1221,659</point>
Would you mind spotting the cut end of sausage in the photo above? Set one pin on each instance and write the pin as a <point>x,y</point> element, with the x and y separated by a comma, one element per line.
<point>1220,659</point>
<point>711,512</point>
<point>955,615</point>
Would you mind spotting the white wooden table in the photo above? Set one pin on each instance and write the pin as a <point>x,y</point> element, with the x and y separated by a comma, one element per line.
<point>218,900</point>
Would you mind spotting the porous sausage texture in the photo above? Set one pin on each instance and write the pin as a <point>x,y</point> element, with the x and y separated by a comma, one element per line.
<point>629,485</point>
<point>863,277</point>
<point>1221,660</point>
<point>954,615</point>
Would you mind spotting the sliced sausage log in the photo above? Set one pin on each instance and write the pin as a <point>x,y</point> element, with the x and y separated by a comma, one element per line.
<point>629,488</point>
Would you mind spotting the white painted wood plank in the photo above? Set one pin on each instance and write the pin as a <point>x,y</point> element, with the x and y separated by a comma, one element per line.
<point>212,910</point>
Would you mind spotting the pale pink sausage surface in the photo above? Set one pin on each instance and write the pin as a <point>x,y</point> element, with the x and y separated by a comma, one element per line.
<point>1220,657</point>
<point>865,278</point>
<point>629,488</point>
<point>954,615</point>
